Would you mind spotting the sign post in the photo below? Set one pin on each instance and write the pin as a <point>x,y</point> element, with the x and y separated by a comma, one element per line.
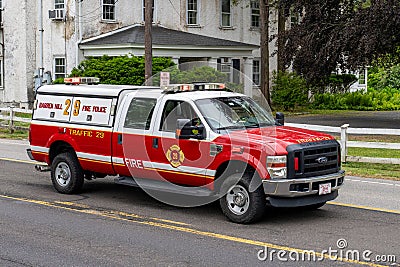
<point>164,78</point>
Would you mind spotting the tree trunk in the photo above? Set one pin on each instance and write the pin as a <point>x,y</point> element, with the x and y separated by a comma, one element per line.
<point>281,29</point>
<point>264,49</point>
<point>148,42</point>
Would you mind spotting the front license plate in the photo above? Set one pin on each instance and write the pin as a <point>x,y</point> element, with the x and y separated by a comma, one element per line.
<point>325,189</point>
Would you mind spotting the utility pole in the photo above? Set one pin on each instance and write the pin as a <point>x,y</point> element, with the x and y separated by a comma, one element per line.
<point>148,41</point>
<point>264,49</point>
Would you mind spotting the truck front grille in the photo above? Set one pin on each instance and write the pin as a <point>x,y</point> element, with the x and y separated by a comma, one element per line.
<point>313,159</point>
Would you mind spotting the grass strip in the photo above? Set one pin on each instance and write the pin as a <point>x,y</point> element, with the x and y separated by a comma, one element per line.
<point>373,152</point>
<point>372,170</point>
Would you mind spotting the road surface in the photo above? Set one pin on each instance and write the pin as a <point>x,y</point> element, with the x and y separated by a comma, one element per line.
<point>114,225</point>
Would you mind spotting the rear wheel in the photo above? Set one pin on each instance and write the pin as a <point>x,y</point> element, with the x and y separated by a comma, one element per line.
<point>239,204</point>
<point>66,174</point>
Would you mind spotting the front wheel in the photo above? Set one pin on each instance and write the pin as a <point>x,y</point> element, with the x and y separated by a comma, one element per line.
<point>67,175</point>
<point>239,204</point>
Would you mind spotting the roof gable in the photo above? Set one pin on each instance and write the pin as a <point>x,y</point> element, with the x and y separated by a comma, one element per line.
<point>161,36</point>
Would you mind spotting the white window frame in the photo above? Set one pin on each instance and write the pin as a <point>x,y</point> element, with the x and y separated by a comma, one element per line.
<point>59,4</point>
<point>196,11</point>
<point>224,13</point>
<point>104,15</point>
<point>58,74</point>
<point>154,10</point>
<point>362,77</point>
<point>225,66</point>
<point>256,71</point>
<point>255,13</point>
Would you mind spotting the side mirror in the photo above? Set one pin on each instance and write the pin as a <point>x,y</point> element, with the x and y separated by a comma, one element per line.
<point>280,119</point>
<point>185,130</point>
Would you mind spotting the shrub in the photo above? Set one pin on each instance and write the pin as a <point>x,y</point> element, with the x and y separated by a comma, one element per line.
<point>340,83</point>
<point>380,78</point>
<point>385,99</point>
<point>198,74</point>
<point>289,91</point>
<point>119,70</point>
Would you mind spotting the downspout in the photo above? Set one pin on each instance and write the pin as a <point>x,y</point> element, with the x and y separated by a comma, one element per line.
<point>2,52</point>
<point>41,68</point>
<point>79,22</point>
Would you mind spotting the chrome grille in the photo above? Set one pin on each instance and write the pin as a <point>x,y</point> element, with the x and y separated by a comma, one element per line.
<point>313,159</point>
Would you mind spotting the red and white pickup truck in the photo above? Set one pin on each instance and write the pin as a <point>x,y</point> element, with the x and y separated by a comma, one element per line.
<point>198,141</point>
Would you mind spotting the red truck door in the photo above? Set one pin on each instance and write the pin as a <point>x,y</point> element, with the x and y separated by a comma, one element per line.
<point>179,161</point>
<point>132,140</point>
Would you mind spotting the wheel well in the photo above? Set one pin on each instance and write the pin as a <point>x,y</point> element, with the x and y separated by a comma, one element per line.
<point>230,167</point>
<point>59,147</point>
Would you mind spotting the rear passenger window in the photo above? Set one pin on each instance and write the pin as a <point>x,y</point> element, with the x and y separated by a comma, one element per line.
<point>139,113</point>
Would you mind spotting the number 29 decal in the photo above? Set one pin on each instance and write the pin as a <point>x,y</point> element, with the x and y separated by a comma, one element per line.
<point>77,106</point>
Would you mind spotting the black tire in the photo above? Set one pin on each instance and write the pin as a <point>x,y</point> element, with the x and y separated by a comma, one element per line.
<point>239,204</point>
<point>67,175</point>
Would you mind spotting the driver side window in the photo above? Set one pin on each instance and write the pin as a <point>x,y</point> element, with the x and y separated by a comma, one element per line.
<point>174,110</point>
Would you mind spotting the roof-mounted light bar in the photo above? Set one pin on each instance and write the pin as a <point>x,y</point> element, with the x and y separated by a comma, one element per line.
<point>209,86</point>
<point>81,80</point>
<point>175,88</point>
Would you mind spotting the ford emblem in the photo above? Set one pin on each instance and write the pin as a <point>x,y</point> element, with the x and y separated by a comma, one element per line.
<point>322,160</point>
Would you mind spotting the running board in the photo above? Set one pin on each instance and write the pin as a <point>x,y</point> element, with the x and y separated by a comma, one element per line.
<point>149,184</point>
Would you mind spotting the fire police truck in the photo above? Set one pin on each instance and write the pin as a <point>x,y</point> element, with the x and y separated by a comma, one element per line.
<point>198,140</point>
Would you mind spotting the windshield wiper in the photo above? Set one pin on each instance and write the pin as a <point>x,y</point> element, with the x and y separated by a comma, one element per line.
<point>253,125</point>
<point>231,127</point>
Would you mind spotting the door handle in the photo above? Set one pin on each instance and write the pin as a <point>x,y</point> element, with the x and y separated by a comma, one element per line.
<point>155,142</point>
<point>119,139</point>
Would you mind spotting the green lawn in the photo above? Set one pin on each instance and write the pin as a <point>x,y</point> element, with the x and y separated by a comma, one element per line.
<point>373,152</point>
<point>18,134</point>
<point>383,171</point>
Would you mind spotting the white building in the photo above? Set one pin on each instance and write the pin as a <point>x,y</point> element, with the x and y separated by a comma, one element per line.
<point>69,31</point>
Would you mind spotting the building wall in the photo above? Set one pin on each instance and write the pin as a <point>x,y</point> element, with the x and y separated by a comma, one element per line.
<point>19,51</point>
<point>60,38</point>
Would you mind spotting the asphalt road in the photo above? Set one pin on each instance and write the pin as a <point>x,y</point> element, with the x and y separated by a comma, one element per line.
<point>113,225</point>
<point>362,119</point>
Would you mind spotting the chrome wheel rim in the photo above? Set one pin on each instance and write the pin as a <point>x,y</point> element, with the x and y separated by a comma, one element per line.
<point>63,174</point>
<point>238,200</point>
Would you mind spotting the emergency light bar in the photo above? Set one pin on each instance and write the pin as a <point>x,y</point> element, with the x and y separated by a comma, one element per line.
<point>209,86</point>
<point>175,88</point>
<point>81,80</point>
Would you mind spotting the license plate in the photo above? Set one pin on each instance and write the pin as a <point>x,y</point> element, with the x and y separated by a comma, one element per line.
<point>325,189</point>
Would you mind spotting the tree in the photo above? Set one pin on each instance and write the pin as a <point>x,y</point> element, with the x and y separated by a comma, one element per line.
<point>338,34</point>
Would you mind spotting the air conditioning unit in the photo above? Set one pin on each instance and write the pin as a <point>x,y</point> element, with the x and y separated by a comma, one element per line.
<point>56,14</point>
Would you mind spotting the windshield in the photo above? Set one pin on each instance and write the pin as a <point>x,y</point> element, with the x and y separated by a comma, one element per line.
<point>238,112</point>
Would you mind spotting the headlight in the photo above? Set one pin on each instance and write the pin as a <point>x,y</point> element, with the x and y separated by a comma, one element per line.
<point>276,166</point>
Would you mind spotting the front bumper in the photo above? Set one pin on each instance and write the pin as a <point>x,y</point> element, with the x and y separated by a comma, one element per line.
<point>293,188</point>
